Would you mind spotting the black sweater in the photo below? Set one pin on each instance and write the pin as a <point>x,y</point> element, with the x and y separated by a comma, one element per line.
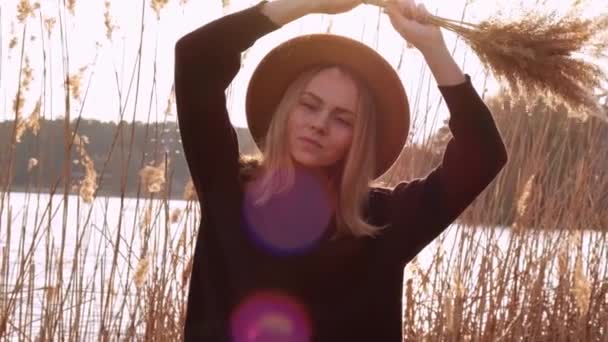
<point>350,288</point>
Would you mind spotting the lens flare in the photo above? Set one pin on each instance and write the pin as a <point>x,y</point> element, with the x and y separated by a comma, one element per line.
<point>290,222</point>
<point>270,317</point>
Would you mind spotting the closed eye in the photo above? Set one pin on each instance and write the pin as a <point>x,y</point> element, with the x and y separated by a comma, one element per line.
<point>345,122</point>
<point>307,105</point>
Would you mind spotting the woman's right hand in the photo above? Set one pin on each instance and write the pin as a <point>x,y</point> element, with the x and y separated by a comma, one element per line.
<point>407,18</point>
<point>333,6</point>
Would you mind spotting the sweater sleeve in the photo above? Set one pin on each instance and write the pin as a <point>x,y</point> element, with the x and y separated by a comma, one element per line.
<point>206,61</point>
<point>423,208</point>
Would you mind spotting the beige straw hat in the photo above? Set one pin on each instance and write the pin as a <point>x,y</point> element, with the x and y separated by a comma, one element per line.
<point>286,61</point>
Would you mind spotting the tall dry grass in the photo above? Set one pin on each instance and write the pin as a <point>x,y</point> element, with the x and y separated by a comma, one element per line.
<point>82,267</point>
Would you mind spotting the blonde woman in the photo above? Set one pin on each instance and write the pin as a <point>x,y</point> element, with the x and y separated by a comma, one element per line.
<point>300,244</point>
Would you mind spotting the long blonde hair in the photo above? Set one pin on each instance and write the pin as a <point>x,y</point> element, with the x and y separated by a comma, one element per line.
<point>355,174</point>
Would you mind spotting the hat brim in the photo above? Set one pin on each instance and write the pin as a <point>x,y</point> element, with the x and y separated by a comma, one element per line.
<point>285,62</point>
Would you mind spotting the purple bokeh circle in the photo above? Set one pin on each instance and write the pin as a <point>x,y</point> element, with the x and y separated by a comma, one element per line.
<point>270,316</point>
<point>290,222</point>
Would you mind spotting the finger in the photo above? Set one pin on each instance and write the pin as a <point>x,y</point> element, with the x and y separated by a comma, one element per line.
<point>393,14</point>
<point>399,18</point>
<point>393,11</point>
<point>396,15</point>
<point>423,13</point>
<point>406,26</point>
<point>402,24</point>
<point>408,8</point>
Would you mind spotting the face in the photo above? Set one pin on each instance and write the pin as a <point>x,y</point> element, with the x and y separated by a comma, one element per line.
<point>321,124</point>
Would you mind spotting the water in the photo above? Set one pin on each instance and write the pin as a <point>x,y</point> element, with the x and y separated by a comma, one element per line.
<point>91,234</point>
<point>89,239</point>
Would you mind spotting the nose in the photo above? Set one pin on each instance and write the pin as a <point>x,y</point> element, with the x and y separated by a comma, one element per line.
<point>320,122</point>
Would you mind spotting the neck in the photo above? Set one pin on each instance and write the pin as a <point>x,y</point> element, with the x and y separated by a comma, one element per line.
<point>328,177</point>
<point>321,174</point>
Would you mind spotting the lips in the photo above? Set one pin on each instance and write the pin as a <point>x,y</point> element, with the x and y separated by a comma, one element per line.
<point>311,141</point>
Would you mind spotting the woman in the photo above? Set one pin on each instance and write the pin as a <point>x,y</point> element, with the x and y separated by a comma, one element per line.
<point>300,246</point>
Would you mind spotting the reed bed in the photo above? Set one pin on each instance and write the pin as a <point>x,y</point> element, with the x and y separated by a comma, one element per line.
<point>75,265</point>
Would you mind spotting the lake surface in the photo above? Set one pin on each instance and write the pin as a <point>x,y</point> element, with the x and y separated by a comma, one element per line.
<point>91,232</point>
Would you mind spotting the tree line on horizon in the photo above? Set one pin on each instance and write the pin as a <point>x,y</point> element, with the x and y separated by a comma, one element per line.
<point>563,144</point>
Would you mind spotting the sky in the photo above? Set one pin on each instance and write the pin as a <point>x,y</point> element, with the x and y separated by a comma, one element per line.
<point>111,63</point>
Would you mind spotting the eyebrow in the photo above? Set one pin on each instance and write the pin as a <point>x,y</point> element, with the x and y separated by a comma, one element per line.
<point>318,99</point>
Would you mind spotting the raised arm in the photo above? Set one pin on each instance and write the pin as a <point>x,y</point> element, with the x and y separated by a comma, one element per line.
<point>206,61</point>
<point>421,209</point>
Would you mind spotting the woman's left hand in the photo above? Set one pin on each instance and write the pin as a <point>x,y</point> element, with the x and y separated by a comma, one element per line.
<point>408,19</point>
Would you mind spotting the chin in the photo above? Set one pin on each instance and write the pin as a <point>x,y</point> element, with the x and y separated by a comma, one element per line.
<point>307,161</point>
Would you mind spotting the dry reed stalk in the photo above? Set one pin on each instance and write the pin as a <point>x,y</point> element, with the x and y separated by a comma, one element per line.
<point>74,81</point>
<point>33,121</point>
<point>522,204</point>
<point>581,288</point>
<point>145,222</point>
<point>152,177</point>
<point>49,24</point>
<point>181,243</point>
<point>455,298</point>
<point>170,102</point>
<point>25,9</point>
<point>31,163</point>
<point>12,43</point>
<point>27,75</point>
<point>186,273</point>
<point>107,20</point>
<point>537,55</point>
<point>141,272</point>
<point>189,191</point>
<point>175,214</point>
<point>88,185</point>
<point>157,6</point>
<point>71,5</point>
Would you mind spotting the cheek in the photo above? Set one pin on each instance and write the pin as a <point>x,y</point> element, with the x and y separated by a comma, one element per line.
<point>292,124</point>
<point>295,120</point>
<point>344,139</point>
